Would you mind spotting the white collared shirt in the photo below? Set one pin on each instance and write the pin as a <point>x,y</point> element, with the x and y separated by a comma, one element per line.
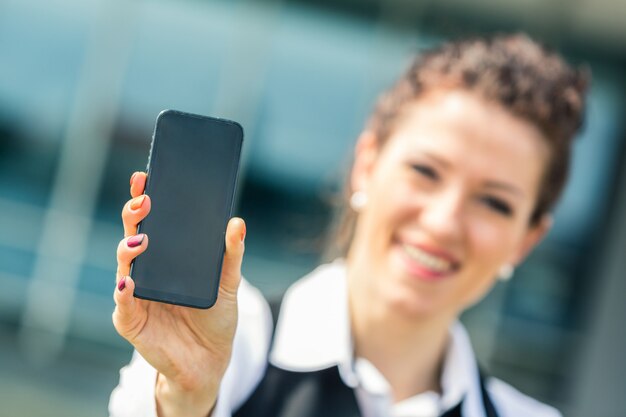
<point>313,333</point>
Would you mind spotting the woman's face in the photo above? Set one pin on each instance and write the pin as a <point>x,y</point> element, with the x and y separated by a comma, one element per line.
<point>450,195</point>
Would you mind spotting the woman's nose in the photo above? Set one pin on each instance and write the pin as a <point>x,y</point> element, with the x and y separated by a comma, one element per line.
<point>441,216</point>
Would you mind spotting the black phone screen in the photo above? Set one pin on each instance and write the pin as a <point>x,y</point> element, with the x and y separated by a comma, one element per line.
<point>192,173</point>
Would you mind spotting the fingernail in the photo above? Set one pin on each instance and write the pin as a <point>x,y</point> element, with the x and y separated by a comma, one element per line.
<point>122,284</point>
<point>137,202</point>
<point>135,241</point>
<point>243,232</point>
<point>132,177</point>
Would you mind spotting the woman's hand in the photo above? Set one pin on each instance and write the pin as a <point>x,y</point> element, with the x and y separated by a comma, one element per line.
<point>190,348</point>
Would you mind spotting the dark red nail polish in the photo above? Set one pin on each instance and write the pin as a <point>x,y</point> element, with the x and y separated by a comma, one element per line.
<point>122,284</point>
<point>135,241</point>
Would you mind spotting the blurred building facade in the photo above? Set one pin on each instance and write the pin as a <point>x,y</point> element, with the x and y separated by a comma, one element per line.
<point>81,83</point>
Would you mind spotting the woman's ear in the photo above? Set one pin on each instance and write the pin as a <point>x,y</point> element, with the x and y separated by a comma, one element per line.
<point>534,235</point>
<point>365,154</point>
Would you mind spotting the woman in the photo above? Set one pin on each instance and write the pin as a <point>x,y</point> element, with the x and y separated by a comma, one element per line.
<point>453,181</point>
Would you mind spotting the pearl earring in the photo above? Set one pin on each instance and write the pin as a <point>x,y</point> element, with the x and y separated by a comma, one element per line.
<point>358,200</point>
<point>506,272</point>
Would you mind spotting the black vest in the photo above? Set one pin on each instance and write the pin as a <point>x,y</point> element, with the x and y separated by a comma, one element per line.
<point>283,393</point>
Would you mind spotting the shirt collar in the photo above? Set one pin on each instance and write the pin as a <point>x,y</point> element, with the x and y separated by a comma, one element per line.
<point>313,333</point>
<point>313,329</point>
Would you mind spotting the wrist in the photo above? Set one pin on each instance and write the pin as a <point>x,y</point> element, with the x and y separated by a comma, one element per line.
<point>175,400</point>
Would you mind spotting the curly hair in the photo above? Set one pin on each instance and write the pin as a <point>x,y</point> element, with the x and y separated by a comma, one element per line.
<point>523,76</point>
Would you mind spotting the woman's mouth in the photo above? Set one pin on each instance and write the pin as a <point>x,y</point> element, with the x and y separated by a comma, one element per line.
<point>426,264</point>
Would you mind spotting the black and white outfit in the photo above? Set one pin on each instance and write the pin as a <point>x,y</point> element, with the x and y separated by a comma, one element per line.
<point>312,371</point>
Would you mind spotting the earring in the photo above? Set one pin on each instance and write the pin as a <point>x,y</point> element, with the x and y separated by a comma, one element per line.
<point>358,200</point>
<point>506,272</point>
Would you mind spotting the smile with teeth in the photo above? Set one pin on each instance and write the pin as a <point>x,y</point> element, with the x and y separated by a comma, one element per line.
<point>432,262</point>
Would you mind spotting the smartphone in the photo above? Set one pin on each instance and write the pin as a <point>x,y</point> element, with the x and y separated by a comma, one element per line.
<point>192,174</point>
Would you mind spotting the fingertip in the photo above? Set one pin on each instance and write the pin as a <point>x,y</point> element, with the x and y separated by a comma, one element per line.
<point>137,183</point>
<point>132,177</point>
<point>121,285</point>
<point>237,229</point>
<point>137,241</point>
<point>231,269</point>
<point>126,311</point>
<point>236,222</point>
<point>124,291</point>
<point>143,205</point>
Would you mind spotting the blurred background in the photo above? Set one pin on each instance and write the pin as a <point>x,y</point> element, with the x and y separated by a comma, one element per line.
<point>81,83</point>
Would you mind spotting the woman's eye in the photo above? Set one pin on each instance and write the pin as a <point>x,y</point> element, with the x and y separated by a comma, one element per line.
<point>498,205</point>
<point>426,171</point>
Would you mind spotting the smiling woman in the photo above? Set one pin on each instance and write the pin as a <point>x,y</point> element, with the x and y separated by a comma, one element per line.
<point>452,185</point>
<point>465,175</point>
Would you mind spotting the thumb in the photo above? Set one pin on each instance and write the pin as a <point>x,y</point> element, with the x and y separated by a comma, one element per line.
<point>233,256</point>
